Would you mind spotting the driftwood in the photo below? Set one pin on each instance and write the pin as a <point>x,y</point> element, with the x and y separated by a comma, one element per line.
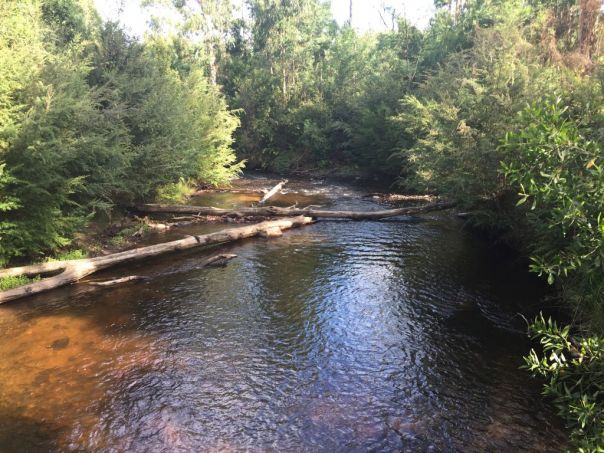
<point>215,261</point>
<point>272,192</point>
<point>285,212</point>
<point>72,271</point>
<point>227,190</point>
<point>220,260</point>
<point>401,197</point>
<point>119,281</point>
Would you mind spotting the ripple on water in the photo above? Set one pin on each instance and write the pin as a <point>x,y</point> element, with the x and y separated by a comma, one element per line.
<point>341,336</point>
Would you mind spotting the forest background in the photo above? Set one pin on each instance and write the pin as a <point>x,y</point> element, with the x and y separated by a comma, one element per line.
<point>497,105</point>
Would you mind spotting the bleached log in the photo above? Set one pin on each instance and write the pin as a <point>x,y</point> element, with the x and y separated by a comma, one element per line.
<point>272,192</point>
<point>227,190</point>
<point>119,281</point>
<point>217,260</point>
<point>34,269</point>
<point>270,211</point>
<point>75,270</point>
<point>401,197</point>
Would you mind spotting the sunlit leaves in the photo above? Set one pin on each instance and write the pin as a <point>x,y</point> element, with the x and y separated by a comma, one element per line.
<point>574,372</point>
<point>555,167</point>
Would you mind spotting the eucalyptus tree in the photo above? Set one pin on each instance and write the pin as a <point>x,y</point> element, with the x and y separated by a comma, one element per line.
<point>282,86</point>
<point>204,24</point>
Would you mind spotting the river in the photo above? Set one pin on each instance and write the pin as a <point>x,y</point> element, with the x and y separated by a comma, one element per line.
<point>398,335</point>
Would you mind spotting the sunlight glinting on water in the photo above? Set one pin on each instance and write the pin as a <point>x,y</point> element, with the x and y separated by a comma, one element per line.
<point>394,335</point>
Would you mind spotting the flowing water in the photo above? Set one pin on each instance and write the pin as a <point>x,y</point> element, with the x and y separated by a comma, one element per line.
<point>400,335</point>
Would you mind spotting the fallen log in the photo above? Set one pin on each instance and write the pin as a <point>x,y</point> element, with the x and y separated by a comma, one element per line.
<point>270,211</point>
<point>34,270</point>
<point>227,190</point>
<point>215,261</point>
<point>119,281</point>
<point>272,192</point>
<point>401,197</point>
<point>75,270</point>
<point>220,260</point>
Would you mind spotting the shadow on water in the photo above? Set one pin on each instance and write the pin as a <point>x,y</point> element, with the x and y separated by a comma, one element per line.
<point>342,336</point>
<point>20,433</point>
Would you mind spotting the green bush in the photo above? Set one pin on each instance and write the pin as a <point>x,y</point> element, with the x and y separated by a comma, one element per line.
<point>574,372</point>
<point>559,175</point>
<point>76,254</point>
<point>177,192</point>
<point>454,123</point>
<point>91,119</point>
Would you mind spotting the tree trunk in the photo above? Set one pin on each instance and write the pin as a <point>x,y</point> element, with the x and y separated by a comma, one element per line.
<point>216,261</point>
<point>119,281</point>
<point>226,190</point>
<point>401,197</point>
<point>588,19</point>
<point>271,211</point>
<point>272,192</point>
<point>78,269</point>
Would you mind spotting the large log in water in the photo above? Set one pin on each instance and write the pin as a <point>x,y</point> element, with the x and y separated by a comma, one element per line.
<point>72,271</point>
<point>270,211</point>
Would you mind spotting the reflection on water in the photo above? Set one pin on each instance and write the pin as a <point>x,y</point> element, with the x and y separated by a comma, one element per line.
<point>395,335</point>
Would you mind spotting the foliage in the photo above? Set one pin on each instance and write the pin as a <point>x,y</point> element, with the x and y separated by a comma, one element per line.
<point>177,192</point>
<point>574,372</point>
<point>558,171</point>
<point>75,254</point>
<point>455,122</point>
<point>7,203</point>
<point>7,283</point>
<point>276,79</point>
<point>310,91</point>
<point>52,135</point>
<point>178,124</point>
<point>87,127</point>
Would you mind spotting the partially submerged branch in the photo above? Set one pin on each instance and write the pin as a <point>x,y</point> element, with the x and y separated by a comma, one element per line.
<point>78,269</point>
<point>272,192</point>
<point>401,197</point>
<point>216,261</point>
<point>119,281</point>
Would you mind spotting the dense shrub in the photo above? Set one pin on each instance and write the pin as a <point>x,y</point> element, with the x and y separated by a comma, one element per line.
<point>558,172</point>
<point>574,372</point>
<point>86,127</point>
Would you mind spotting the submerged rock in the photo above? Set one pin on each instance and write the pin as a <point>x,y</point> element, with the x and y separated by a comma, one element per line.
<point>61,343</point>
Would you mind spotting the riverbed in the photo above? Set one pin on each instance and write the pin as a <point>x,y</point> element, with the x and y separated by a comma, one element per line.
<point>398,335</point>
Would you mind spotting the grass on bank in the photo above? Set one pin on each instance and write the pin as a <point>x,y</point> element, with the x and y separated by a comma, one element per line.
<point>573,370</point>
<point>7,283</point>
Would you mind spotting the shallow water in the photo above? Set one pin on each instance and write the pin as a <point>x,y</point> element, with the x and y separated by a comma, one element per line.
<point>340,336</point>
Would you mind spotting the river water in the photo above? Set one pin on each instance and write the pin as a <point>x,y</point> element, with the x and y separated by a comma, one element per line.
<point>400,335</point>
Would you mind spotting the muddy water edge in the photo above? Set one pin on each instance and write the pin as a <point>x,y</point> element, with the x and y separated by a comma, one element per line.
<point>400,335</point>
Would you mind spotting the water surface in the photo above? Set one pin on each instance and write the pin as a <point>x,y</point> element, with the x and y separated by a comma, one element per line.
<point>341,336</point>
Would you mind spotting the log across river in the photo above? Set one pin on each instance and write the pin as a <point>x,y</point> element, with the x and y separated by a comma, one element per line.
<point>74,270</point>
<point>274,211</point>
